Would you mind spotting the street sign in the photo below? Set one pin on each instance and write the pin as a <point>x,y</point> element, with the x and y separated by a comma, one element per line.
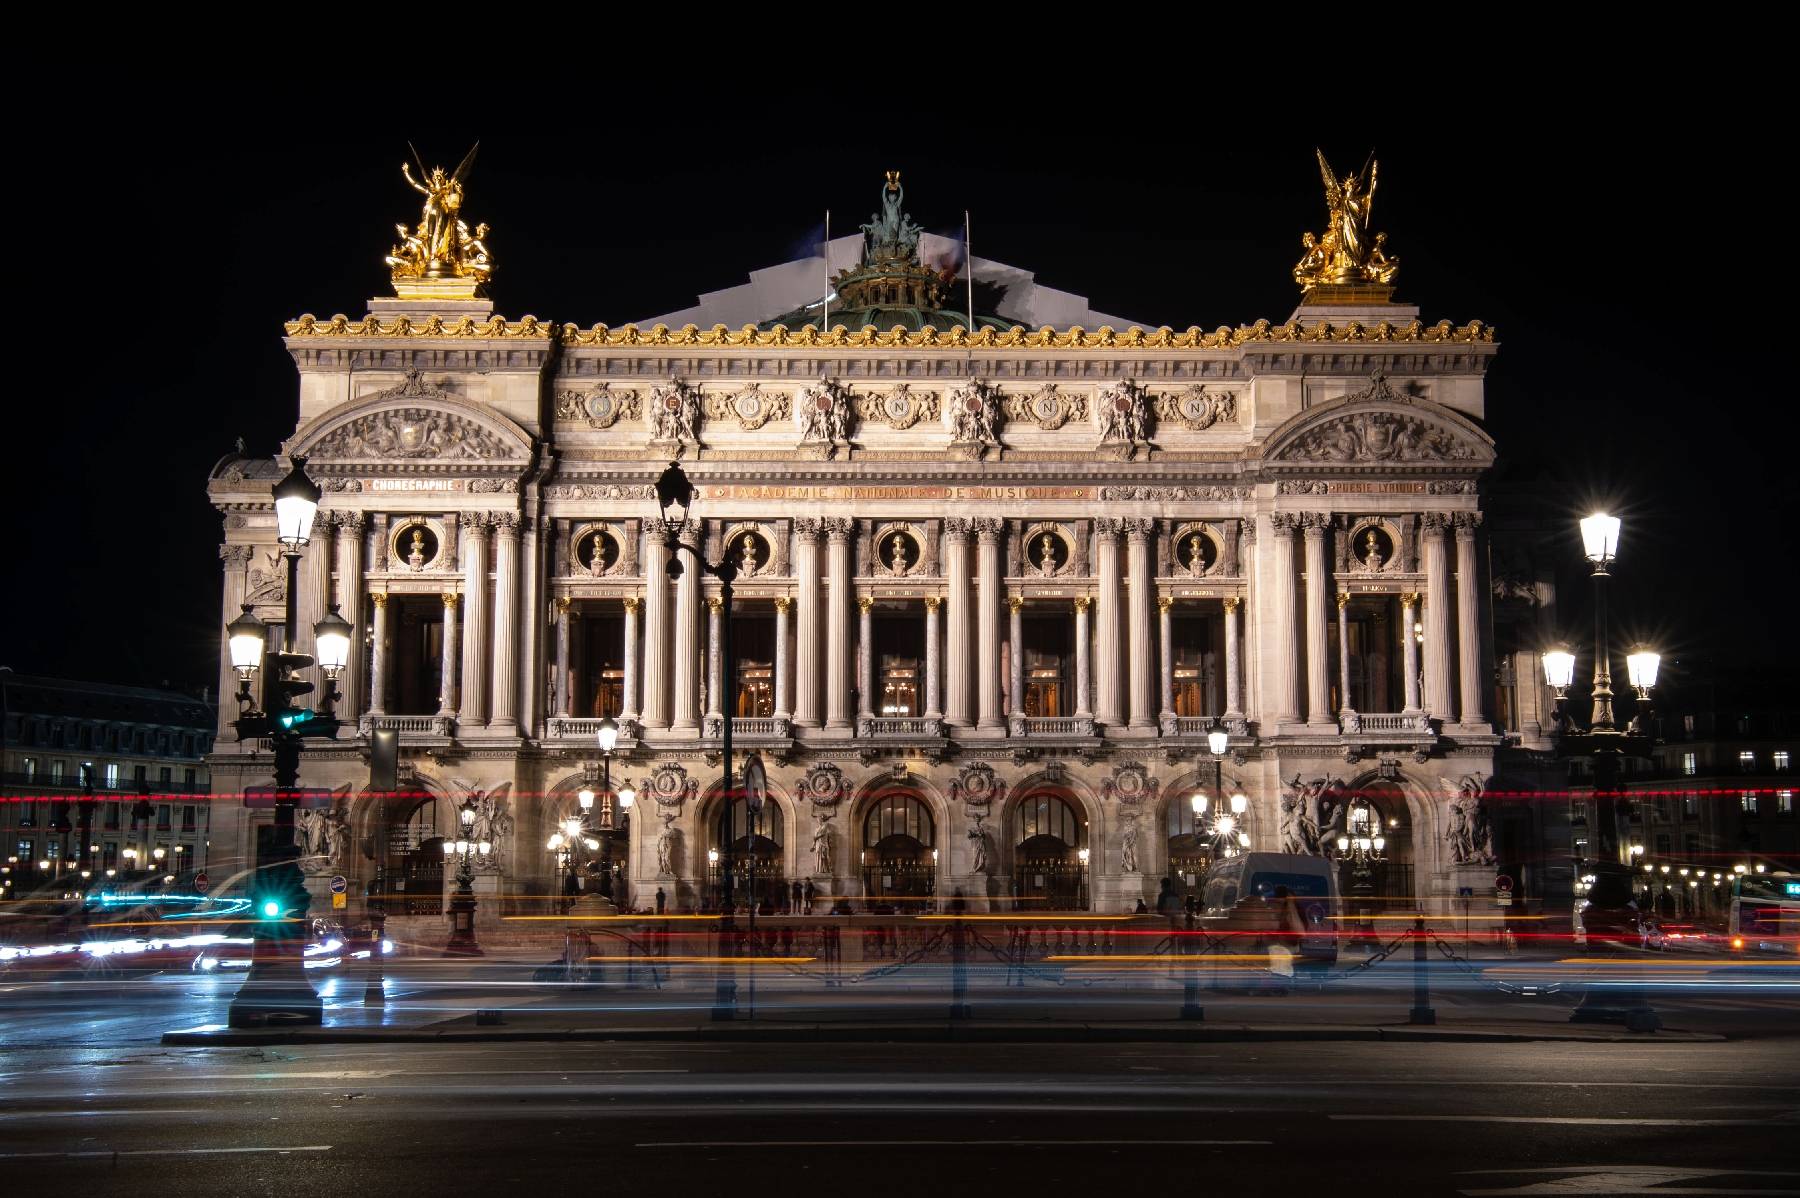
<point>756,783</point>
<point>1503,898</point>
<point>1503,882</point>
<point>1465,892</point>
<point>300,796</point>
<point>340,884</point>
<point>339,902</point>
<point>200,883</point>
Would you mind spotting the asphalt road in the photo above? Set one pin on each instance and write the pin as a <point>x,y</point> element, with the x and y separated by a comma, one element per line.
<point>1687,1118</point>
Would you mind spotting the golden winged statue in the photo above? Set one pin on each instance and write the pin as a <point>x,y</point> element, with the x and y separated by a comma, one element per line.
<point>442,258</point>
<point>1346,254</point>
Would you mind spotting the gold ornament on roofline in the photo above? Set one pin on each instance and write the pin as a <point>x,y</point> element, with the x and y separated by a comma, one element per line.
<point>442,258</point>
<point>1346,264</point>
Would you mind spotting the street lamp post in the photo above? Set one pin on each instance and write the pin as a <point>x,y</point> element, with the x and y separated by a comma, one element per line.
<point>275,988</point>
<point>463,903</point>
<point>1609,895</point>
<point>675,496</point>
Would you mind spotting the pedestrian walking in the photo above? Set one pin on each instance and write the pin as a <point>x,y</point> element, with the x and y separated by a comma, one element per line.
<point>799,897</point>
<point>662,900</point>
<point>811,893</point>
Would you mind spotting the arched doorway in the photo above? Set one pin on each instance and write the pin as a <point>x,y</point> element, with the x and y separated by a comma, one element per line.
<point>745,848</point>
<point>1190,845</point>
<point>1370,838</point>
<point>899,850</point>
<point>415,855</point>
<point>1049,843</point>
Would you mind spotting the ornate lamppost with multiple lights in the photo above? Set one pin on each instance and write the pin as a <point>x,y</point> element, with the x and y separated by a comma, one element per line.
<point>467,851</point>
<point>275,987</point>
<point>1225,833</point>
<point>608,822</point>
<point>1608,911</point>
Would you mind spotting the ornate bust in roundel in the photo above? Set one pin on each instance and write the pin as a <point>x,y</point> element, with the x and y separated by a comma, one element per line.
<point>823,784</point>
<point>670,784</point>
<point>977,785</point>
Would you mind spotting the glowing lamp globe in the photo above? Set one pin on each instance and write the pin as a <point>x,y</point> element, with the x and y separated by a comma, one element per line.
<point>1559,668</point>
<point>247,636</point>
<point>1218,740</point>
<point>1600,537</point>
<point>296,503</point>
<point>627,797</point>
<point>608,734</point>
<point>1640,666</point>
<point>332,636</point>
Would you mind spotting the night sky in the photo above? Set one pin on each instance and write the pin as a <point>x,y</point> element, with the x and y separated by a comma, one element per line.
<point>1634,367</point>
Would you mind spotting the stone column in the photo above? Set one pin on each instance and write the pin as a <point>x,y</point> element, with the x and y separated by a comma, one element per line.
<point>957,646</point>
<point>717,708</point>
<point>934,663</point>
<point>562,685</point>
<point>987,650</point>
<point>349,597</point>
<point>632,687</point>
<point>1409,649</point>
<point>475,637</point>
<point>1234,676</point>
<point>784,696</point>
<point>1016,657</point>
<point>865,699</point>
<point>378,638</point>
<point>234,560</point>
<point>1283,639</point>
<point>684,713</point>
<point>506,624</point>
<point>452,629</point>
<point>315,593</point>
<point>1318,600</point>
<point>1084,666</point>
<point>1109,708</point>
<point>1142,590</point>
<point>807,713</point>
<point>1343,610</point>
<point>1437,617</point>
<point>1468,612</point>
<point>529,676</point>
<point>657,630</point>
<point>1166,659</point>
<point>838,667</point>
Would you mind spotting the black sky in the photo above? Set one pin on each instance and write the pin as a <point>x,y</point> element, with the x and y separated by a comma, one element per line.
<point>1639,364</point>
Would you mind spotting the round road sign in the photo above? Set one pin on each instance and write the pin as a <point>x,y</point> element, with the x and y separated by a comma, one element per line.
<point>200,883</point>
<point>1503,882</point>
<point>339,884</point>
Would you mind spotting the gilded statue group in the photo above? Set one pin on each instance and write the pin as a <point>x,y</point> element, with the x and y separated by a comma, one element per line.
<point>442,246</point>
<point>1347,253</point>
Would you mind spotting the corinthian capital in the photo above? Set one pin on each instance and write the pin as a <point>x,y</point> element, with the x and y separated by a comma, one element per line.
<point>505,522</point>
<point>1435,521</point>
<point>956,527</point>
<point>1138,528</point>
<point>1284,522</point>
<point>351,523</point>
<point>1315,523</point>
<point>988,528</point>
<point>1467,523</point>
<point>1108,526</point>
<point>838,528</point>
<point>235,557</point>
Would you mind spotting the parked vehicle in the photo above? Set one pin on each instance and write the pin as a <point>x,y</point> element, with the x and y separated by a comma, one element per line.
<point>1242,898</point>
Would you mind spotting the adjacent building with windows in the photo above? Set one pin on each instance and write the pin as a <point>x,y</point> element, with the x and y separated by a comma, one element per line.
<point>999,573</point>
<point>100,777</point>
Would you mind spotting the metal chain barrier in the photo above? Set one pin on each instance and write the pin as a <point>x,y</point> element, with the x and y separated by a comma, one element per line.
<point>1517,989</point>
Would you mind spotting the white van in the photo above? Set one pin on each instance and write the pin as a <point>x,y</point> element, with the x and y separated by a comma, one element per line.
<point>1241,895</point>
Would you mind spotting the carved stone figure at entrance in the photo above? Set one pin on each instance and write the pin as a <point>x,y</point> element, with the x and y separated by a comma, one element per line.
<point>1128,845</point>
<point>1293,835</point>
<point>665,847</point>
<point>983,841</point>
<point>1470,835</point>
<point>821,846</point>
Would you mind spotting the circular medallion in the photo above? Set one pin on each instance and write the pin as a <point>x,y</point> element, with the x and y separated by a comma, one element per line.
<point>597,552</point>
<point>414,545</point>
<point>602,408</point>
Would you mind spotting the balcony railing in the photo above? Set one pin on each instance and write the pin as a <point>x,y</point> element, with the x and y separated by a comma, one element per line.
<point>761,725</point>
<point>429,725</point>
<point>1366,722</point>
<point>1053,725</point>
<point>563,727</point>
<point>889,726</point>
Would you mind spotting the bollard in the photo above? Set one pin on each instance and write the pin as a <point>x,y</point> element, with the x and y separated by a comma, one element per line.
<point>374,988</point>
<point>1421,1009</point>
<point>725,988</point>
<point>959,972</point>
<point>1190,987</point>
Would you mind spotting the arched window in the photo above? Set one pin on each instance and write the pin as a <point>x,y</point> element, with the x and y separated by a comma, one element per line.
<point>899,854</point>
<point>1049,837</point>
<point>415,860</point>
<point>1189,842</point>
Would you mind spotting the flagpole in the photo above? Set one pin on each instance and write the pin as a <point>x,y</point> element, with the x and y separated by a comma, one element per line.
<point>827,291</point>
<point>969,266</point>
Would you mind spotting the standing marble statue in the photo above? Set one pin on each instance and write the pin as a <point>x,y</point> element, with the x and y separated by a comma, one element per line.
<point>984,848</point>
<point>665,848</point>
<point>1293,839</point>
<point>1128,845</point>
<point>1471,834</point>
<point>821,847</point>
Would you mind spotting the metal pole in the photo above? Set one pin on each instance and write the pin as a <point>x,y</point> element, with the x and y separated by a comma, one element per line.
<point>1190,989</point>
<point>1421,1009</point>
